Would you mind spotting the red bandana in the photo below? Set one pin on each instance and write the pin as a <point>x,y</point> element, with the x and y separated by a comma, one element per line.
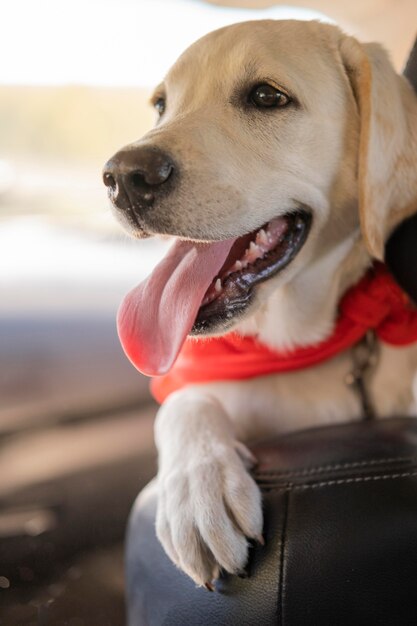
<point>376,302</point>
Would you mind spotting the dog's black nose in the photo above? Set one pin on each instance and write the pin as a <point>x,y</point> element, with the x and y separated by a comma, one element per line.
<point>135,176</point>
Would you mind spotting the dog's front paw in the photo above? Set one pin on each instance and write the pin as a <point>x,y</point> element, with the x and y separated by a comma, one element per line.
<point>206,512</point>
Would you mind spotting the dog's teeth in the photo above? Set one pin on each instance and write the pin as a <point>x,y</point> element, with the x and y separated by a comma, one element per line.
<point>218,285</point>
<point>262,238</point>
<point>253,247</point>
<point>236,267</point>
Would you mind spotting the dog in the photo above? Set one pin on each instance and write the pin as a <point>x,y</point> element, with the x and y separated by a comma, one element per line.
<point>284,155</point>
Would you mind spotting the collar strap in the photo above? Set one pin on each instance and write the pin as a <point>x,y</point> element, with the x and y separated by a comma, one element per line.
<point>375,303</point>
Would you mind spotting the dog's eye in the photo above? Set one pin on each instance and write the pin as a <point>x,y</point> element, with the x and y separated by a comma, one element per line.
<point>159,105</point>
<point>268,97</point>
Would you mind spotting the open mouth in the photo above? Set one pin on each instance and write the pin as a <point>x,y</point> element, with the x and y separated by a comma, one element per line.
<point>253,259</point>
<point>201,287</point>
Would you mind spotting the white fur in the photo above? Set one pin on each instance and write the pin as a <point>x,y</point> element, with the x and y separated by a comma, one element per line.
<point>338,153</point>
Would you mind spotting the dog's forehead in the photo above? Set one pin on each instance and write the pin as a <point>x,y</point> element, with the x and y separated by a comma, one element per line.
<point>290,51</point>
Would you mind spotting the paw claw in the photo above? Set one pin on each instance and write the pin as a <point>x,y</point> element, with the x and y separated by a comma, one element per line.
<point>210,587</point>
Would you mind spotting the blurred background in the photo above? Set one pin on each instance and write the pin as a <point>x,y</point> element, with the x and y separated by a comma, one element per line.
<point>75,417</point>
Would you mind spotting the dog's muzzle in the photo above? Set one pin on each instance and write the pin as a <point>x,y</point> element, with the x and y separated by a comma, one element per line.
<point>136,177</point>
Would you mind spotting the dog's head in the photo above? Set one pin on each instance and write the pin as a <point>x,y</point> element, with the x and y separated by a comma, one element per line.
<point>276,141</point>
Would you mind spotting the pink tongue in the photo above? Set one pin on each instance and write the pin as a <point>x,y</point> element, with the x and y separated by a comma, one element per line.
<point>155,318</point>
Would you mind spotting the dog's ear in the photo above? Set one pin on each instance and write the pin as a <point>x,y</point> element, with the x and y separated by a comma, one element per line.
<point>387,169</point>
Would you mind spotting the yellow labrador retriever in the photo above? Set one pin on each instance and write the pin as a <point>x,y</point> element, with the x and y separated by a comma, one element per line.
<point>284,155</point>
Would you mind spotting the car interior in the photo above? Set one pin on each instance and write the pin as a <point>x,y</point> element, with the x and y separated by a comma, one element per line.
<point>76,418</point>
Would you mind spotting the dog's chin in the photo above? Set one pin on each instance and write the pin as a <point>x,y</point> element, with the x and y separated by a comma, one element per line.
<point>254,258</point>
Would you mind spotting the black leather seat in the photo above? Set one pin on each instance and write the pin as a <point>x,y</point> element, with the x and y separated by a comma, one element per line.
<point>341,539</point>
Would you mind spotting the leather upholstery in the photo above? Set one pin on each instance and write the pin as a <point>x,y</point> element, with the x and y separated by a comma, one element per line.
<point>341,539</point>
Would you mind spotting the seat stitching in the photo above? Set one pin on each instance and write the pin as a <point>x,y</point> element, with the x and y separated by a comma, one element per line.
<point>341,481</point>
<point>356,479</point>
<point>336,466</point>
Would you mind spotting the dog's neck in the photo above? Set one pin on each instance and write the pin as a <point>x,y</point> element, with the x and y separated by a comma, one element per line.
<point>303,311</point>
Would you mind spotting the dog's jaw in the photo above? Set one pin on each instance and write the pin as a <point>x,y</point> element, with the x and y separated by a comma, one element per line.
<point>267,252</point>
<point>303,310</point>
